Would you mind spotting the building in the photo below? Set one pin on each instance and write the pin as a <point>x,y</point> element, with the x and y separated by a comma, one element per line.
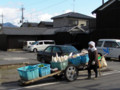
<point>45,24</point>
<point>13,38</point>
<point>108,20</point>
<point>72,19</point>
<point>29,24</point>
<point>70,28</point>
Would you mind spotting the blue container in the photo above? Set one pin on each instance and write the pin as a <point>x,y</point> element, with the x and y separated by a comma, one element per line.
<point>84,59</point>
<point>60,65</point>
<point>45,70</point>
<point>75,61</point>
<point>28,72</point>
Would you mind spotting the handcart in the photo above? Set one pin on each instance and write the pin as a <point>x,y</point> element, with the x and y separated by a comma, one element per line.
<point>70,71</point>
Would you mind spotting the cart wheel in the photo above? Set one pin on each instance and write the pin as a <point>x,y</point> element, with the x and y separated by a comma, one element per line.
<point>71,73</point>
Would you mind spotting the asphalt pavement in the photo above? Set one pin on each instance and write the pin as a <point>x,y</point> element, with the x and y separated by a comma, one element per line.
<point>14,57</point>
<point>108,81</point>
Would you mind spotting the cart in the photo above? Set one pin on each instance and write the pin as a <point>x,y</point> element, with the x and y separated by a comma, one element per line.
<point>70,72</point>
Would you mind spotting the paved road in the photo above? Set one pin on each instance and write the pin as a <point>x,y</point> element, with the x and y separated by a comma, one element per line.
<point>17,57</point>
<point>109,80</point>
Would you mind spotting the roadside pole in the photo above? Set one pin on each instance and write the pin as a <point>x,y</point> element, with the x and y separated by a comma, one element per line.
<point>0,79</point>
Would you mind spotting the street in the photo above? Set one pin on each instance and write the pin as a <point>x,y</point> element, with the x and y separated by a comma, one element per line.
<point>17,57</point>
<point>109,80</point>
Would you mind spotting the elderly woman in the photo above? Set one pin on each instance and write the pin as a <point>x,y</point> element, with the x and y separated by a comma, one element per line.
<point>93,62</point>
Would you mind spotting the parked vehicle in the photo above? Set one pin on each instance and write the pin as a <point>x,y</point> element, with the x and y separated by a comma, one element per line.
<point>40,45</point>
<point>26,44</point>
<point>113,46</point>
<point>46,55</point>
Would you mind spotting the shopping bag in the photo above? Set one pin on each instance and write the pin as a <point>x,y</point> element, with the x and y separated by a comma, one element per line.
<point>99,63</point>
<point>104,63</point>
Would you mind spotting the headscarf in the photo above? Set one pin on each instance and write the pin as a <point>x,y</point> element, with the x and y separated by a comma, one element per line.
<point>93,48</point>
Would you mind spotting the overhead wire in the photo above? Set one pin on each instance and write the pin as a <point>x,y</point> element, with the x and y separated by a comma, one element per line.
<point>53,5</point>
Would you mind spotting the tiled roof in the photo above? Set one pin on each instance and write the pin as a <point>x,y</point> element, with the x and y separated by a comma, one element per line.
<point>73,15</point>
<point>29,24</point>
<point>46,23</point>
<point>35,30</point>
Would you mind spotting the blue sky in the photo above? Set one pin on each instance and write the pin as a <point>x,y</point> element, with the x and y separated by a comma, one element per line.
<point>43,10</point>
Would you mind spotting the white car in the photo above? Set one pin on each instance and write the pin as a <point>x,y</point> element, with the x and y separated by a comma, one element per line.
<point>40,45</point>
<point>113,46</point>
<point>26,44</point>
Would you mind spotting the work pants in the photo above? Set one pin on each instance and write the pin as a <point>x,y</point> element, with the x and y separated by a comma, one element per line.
<point>94,67</point>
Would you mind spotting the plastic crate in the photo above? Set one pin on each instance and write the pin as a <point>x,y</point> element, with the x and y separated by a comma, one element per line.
<point>84,59</point>
<point>45,70</point>
<point>59,65</point>
<point>28,72</point>
<point>75,61</point>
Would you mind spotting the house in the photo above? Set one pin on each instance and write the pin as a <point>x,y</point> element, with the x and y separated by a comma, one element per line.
<point>72,19</point>
<point>108,20</point>
<point>13,38</point>
<point>29,24</point>
<point>45,24</point>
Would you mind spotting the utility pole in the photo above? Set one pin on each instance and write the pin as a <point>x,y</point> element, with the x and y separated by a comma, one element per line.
<point>2,18</point>
<point>22,16</point>
<point>73,5</point>
<point>102,1</point>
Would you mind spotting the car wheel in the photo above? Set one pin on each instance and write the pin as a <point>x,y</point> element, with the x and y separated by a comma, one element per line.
<point>119,58</point>
<point>107,58</point>
<point>71,73</point>
<point>35,50</point>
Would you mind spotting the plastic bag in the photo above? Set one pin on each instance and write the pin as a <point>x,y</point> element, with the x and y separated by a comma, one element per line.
<point>102,62</point>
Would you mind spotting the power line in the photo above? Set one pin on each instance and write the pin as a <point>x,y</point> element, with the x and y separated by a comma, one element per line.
<point>48,7</point>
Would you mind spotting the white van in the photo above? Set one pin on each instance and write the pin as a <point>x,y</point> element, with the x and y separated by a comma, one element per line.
<point>113,46</point>
<point>26,44</point>
<point>40,45</point>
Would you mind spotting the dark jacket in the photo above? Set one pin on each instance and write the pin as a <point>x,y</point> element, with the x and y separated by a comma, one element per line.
<point>93,56</point>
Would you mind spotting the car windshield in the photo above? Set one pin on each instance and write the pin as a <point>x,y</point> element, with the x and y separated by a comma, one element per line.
<point>69,49</point>
<point>34,43</point>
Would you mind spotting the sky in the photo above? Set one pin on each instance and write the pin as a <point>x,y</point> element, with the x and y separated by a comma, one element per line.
<point>43,10</point>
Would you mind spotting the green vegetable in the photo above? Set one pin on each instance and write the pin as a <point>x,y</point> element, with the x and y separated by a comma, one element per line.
<point>41,65</point>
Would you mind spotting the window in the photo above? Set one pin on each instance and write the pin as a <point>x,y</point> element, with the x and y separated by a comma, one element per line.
<point>99,43</point>
<point>82,25</point>
<point>56,50</point>
<point>48,50</point>
<point>110,44</point>
<point>69,49</point>
<point>73,22</point>
<point>40,43</point>
<point>49,42</point>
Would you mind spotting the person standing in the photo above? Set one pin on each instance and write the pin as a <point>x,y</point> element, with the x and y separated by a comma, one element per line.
<point>93,62</point>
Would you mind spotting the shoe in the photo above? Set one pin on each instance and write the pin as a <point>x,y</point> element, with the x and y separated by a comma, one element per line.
<point>95,78</point>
